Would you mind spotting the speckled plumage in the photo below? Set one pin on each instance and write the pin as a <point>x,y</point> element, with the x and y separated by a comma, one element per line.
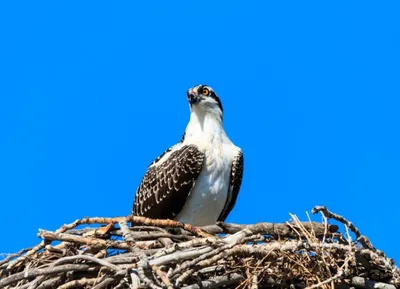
<point>196,181</point>
<point>168,183</point>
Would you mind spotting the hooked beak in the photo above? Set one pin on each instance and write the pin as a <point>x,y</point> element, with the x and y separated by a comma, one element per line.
<point>193,98</point>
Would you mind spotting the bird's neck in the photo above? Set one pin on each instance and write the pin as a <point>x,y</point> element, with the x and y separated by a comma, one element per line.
<point>204,126</point>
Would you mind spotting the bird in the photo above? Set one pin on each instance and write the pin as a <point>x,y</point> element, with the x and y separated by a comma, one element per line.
<point>197,180</point>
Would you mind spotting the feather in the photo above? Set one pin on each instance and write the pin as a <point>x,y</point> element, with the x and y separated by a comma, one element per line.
<point>166,186</point>
<point>235,183</point>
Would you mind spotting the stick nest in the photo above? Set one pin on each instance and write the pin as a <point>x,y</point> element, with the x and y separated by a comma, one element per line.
<point>137,252</point>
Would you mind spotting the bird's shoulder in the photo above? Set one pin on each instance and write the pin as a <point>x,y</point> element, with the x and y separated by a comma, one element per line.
<point>234,150</point>
<point>167,183</point>
<point>237,151</point>
<point>173,151</point>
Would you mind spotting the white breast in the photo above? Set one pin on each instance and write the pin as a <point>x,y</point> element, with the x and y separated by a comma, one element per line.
<point>208,196</point>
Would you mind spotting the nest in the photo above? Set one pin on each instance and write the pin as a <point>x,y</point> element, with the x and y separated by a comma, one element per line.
<point>138,252</point>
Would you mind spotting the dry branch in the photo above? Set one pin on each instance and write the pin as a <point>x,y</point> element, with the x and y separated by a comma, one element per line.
<point>137,252</point>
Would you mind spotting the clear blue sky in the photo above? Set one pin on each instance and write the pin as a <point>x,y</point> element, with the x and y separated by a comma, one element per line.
<point>91,92</point>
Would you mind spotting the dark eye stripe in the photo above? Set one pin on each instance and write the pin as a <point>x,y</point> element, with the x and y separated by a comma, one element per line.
<point>211,94</point>
<point>216,98</point>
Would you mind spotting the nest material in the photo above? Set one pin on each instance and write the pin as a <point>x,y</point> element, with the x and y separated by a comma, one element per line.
<point>167,254</point>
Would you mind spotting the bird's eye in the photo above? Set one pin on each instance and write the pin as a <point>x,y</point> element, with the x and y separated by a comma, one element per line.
<point>206,91</point>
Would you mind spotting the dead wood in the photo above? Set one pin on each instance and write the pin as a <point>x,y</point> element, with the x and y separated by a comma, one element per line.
<point>137,252</point>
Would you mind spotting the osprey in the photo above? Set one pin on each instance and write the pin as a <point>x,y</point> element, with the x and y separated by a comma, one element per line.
<point>197,180</point>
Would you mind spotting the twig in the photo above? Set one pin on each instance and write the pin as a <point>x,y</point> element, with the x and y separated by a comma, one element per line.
<point>123,283</point>
<point>152,235</point>
<point>280,229</point>
<point>51,283</point>
<point>11,256</point>
<point>135,281</point>
<point>126,233</point>
<point>362,239</point>
<point>98,243</point>
<point>105,283</point>
<point>329,280</point>
<point>360,282</point>
<point>186,245</point>
<point>202,257</point>
<point>164,278</point>
<point>217,282</point>
<point>78,283</point>
<point>143,263</point>
<point>88,258</point>
<point>264,255</point>
<point>211,257</point>
<point>201,261</point>
<point>38,272</point>
<point>168,223</point>
<point>31,251</point>
<point>254,282</point>
<point>178,256</point>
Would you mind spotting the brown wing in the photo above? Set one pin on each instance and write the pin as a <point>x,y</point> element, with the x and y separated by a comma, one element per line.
<point>235,183</point>
<point>165,187</point>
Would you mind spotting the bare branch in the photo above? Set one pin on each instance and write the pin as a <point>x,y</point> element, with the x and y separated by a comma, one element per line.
<point>362,239</point>
<point>38,272</point>
<point>149,255</point>
<point>217,282</point>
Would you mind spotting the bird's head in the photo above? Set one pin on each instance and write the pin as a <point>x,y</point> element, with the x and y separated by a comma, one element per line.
<point>204,100</point>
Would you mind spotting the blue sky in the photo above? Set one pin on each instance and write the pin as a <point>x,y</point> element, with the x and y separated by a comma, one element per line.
<point>91,92</point>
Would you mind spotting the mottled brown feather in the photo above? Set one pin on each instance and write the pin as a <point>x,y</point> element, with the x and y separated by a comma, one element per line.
<point>165,187</point>
<point>235,183</point>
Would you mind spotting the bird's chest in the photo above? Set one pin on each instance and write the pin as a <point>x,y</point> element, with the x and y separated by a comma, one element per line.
<point>208,196</point>
<point>213,181</point>
<point>216,171</point>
